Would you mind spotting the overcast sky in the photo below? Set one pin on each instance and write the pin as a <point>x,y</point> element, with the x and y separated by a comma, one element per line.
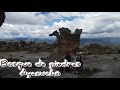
<point>41,24</point>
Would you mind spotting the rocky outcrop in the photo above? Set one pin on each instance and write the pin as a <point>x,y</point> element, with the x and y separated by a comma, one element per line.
<point>66,42</point>
<point>2,18</point>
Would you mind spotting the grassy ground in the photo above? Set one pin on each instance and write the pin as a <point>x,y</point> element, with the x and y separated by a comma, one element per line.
<point>95,65</point>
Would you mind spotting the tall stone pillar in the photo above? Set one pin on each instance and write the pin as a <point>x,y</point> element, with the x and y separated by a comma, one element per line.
<point>66,43</point>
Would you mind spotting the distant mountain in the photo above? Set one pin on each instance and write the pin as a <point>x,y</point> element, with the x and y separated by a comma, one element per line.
<point>36,39</point>
<point>103,41</point>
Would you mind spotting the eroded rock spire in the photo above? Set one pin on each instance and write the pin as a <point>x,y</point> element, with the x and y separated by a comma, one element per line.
<point>66,42</point>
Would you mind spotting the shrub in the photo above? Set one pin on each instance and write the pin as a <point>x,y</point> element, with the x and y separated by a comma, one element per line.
<point>115,58</point>
<point>87,72</point>
<point>13,59</point>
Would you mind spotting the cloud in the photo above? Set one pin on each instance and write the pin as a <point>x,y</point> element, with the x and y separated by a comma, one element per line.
<point>32,31</point>
<point>41,24</point>
<point>95,24</point>
<point>24,18</point>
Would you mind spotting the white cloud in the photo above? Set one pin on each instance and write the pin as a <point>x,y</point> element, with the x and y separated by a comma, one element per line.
<point>36,31</point>
<point>94,24</point>
<point>24,18</point>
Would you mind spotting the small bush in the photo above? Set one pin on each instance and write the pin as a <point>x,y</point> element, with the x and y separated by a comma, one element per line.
<point>118,51</point>
<point>13,59</point>
<point>95,70</point>
<point>21,56</point>
<point>97,49</point>
<point>87,72</point>
<point>115,58</point>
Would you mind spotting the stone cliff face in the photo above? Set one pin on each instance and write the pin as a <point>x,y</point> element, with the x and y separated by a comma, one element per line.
<point>2,18</point>
<point>66,42</point>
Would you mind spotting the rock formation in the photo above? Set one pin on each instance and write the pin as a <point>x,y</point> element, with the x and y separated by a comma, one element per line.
<point>2,18</point>
<point>66,42</point>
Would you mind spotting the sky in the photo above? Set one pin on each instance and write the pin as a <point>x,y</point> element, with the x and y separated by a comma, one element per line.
<point>41,24</point>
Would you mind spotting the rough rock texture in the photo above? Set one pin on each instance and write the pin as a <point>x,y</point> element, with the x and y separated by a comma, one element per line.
<point>2,18</point>
<point>66,42</point>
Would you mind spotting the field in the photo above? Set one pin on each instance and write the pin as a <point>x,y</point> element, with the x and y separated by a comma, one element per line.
<point>100,61</point>
<point>95,66</point>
